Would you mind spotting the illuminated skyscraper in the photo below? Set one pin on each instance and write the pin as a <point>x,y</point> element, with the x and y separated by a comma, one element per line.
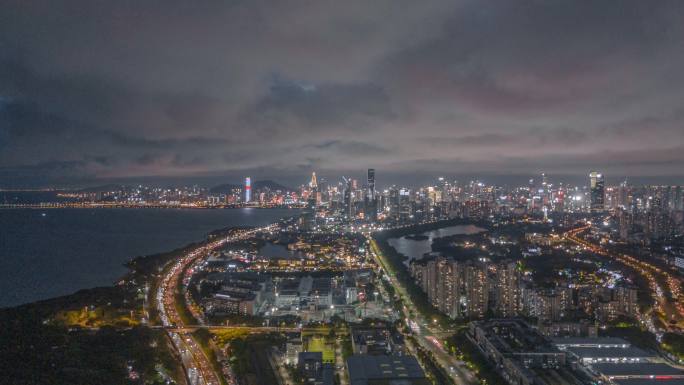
<point>460,290</point>
<point>248,189</point>
<point>597,191</point>
<point>476,290</point>
<point>314,183</point>
<point>314,194</point>
<point>371,183</point>
<point>347,200</point>
<point>506,289</point>
<point>371,204</point>
<point>443,282</point>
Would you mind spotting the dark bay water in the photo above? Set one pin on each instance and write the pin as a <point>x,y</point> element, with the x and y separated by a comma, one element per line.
<point>48,253</point>
<point>23,197</point>
<point>415,249</point>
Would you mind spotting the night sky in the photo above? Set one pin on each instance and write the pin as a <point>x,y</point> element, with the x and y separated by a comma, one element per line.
<point>130,90</point>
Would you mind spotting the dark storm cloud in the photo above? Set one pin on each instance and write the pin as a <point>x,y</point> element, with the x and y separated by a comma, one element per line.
<point>547,136</point>
<point>291,108</point>
<point>99,89</point>
<point>45,173</point>
<point>510,56</point>
<point>132,141</point>
<point>349,147</point>
<point>27,119</point>
<point>616,162</point>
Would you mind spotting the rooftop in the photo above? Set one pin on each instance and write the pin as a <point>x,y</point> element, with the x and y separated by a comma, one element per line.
<point>235,295</point>
<point>515,336</point>
<point>314,356</point>
<point>593,352</point>
<point>589,341</point>
<point>366,369</point>
<point>640,369</point>
<point>651,381</point>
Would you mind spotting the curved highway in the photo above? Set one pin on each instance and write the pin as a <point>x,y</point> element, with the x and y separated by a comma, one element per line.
<point>197,365</point>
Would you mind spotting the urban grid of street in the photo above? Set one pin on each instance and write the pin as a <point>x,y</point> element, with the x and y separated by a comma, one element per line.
<point>428,335</point>
<point>198,366</point>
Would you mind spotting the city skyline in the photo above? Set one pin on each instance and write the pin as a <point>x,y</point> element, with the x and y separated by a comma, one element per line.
<point>294,180</point>
<point>266,89</point>
<point>342,192</point>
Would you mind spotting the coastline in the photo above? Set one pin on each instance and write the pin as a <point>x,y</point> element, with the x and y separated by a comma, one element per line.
<point>70,331</point>
<point>144,266</point>
<point>65,250</point>
<point>138,267</point>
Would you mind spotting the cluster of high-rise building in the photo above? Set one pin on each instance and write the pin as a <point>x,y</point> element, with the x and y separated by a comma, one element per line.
<point>572,303</point>
<point>349,198</point>
<point>353,201</point>
<point>475,288</point>
<point>645,212</point>
<point>641,213</point>
<point>465,289</point>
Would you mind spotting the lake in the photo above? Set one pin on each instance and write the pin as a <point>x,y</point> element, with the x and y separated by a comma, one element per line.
<point>48,253</point>
<point>415,249</point>
<point>278,251</point>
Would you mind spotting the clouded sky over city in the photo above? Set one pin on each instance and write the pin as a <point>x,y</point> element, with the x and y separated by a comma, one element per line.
<point>100,90</point>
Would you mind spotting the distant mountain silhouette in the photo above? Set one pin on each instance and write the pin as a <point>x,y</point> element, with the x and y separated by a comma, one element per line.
<point>257,185</point>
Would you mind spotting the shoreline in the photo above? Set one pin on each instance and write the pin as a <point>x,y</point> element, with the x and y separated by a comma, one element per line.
<point>146,264</point>
<point>138,267</point>
<point>143,262</point>
<point>72,250</point>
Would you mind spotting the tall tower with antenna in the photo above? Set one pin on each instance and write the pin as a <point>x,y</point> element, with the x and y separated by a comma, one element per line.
<point>314,183</point>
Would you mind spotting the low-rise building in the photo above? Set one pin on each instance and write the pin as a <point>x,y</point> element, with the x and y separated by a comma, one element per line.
<point>590,342</point>
<point>365,369</point>
<point>603,349</point>
<point>619,372</point>
<point>591,355</point>
<point>315,372</point>
<point>373,341</point>
<point>231,302</point>
<point>293,346</point>
<point>521,355</point>
<point>616,361</point>
<point>582,328</point>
